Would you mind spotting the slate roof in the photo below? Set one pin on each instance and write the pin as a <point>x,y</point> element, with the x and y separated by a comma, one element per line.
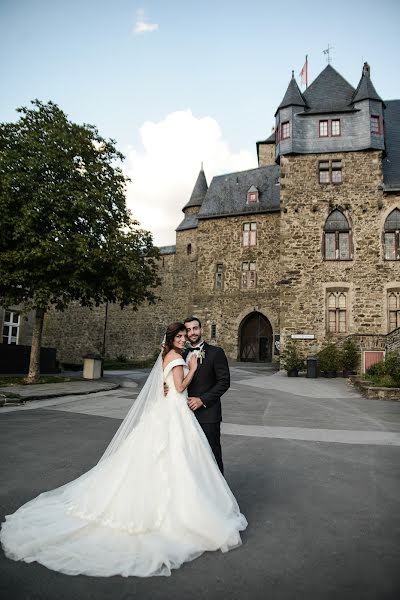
<point>293,96</point>
<point>365,90</point>
<point>189,222</point>
<point>199,190</point>
<point>328,93</point>
<point>391,162</point>
<point>227,194</point>
<point>167,249</point>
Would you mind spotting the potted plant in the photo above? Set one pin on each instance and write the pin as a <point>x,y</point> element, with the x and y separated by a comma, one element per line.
<point>329,359</point>
<point>292,359</point>
<point>349,357</point>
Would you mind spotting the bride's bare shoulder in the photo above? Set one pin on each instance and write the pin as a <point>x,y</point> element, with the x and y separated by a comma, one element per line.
<point>170,356</point>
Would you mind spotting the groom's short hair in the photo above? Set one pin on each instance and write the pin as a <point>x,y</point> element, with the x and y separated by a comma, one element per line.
<point>190,319</point>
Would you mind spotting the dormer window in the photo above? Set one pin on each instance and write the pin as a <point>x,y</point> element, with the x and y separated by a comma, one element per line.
<point>252,195</point>
<point>285,130</point>
<point>375,124</point>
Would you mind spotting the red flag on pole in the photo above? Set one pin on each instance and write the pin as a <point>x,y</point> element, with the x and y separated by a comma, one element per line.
<point>304,73</point>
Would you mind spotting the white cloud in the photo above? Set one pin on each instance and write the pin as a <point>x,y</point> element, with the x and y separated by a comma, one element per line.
<point>141,26</point>
<point>164,172</point>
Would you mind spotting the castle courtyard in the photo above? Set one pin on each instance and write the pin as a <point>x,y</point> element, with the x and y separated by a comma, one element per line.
<point>313,465</point>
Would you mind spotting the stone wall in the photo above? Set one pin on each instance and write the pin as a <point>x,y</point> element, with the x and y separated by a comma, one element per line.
<point>293,279</point>
<point>305,277</point>
<point>266,155</point>
<point>133,334</point>
<point>393,340</point>
<point>220,241</point>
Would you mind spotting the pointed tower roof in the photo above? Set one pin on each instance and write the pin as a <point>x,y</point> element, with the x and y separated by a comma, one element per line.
<point>365,89</point>
<point>293,95</point>
<point>329,92</point>
<point>199,191</point>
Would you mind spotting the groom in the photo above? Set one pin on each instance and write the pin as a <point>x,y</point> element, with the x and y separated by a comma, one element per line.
<point>211,380</point>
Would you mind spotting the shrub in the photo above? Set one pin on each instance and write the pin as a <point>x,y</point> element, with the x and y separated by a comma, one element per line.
<point>329,357</point>
<point>349,356</point>
<point>122,358</point>
<point>387,372</point>
<point>376,370</point>
<point>392,365</point>
<point>292,358</point>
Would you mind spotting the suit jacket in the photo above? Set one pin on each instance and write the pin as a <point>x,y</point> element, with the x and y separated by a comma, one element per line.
<point>210,381</point>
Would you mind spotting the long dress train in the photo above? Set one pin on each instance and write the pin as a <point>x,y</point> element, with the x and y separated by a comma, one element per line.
<point>157,501</point>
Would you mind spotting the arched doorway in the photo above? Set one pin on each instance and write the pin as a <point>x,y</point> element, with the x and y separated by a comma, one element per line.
<point>255,335</point>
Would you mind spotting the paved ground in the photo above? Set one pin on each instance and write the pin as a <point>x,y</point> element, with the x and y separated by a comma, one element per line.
<point>54,390</point>
<point>314,466</point>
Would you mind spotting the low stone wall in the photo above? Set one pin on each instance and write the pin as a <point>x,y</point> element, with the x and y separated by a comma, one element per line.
<point>376,393</point>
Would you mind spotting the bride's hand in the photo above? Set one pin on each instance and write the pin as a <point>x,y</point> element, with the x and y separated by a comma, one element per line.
<point>193,362</point>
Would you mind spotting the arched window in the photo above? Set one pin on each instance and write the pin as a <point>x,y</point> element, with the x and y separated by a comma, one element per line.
<point>391,235</point>
<point>337,237</point>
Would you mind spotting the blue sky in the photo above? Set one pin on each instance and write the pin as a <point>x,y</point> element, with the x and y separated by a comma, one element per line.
<point>198,81</point>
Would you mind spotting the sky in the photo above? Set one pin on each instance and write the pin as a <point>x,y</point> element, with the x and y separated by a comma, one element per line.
<point>180,83</point>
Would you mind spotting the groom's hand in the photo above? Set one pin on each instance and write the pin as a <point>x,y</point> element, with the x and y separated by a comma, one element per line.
<point>194,403</point>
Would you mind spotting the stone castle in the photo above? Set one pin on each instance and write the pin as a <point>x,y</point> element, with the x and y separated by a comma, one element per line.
<point>304,246</point>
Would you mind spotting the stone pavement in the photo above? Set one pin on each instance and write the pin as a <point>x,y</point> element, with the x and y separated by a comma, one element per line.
<point>313,465</point>
<point>54,390</point>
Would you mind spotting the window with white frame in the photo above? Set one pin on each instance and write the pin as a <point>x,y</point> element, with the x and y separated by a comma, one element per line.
<point>330,171</point>
<point>249,234</point>
<point>337,307</point>
<point>391,235</point>
<point>393,302</point>
<point>285,130</point>
<point>249,276</point>
<point>323,128</point>
<point>11,325</point>
<point>335,127</point>
<point>219,276</point>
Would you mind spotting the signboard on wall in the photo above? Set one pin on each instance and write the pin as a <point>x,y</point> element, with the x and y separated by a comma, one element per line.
<point>302,336</point>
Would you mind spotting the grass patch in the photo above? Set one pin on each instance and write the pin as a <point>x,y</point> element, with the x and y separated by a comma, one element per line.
<point>6,380</point>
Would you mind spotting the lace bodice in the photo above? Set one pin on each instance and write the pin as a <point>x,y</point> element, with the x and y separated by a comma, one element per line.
<point>168,376</point>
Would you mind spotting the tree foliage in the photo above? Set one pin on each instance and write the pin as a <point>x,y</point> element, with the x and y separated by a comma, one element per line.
<point>65,231</point>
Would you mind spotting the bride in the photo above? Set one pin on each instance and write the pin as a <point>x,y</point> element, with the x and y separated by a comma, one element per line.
<point>155,499</point>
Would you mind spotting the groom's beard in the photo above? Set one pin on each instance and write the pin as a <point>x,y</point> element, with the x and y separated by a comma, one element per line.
<point>195,340</point>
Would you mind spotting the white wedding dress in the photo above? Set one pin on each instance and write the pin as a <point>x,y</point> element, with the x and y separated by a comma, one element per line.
<point>153,502</point>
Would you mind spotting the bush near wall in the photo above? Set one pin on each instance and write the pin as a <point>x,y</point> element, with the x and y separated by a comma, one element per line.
<point>385,373</point>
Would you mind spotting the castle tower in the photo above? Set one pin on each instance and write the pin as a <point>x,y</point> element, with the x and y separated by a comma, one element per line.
<point>371,106</point>
<point>287,128</point>
<point>330,151</point>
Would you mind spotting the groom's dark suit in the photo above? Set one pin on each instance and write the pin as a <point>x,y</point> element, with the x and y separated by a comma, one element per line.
<point>211,380</point>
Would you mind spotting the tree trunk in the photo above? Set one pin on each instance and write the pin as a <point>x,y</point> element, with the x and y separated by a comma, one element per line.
<point>34,364</point>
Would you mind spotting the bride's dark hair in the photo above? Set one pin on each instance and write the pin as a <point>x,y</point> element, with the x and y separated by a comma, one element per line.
<point>172,330</point>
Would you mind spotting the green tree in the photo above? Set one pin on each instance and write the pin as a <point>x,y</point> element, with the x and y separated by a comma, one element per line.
<point>65,231</point>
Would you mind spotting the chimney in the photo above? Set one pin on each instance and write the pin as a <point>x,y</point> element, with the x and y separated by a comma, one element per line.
<point>366,70</point>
